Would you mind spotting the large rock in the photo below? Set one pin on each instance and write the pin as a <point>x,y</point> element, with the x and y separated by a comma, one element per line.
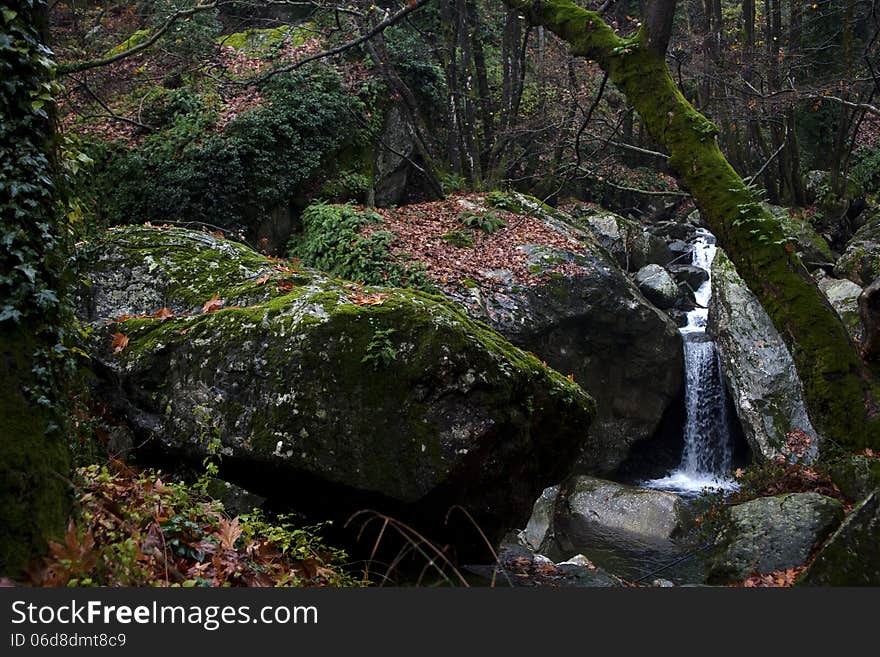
<point>657,286</point>
<point>811,247</point>
<point>632,245</point>
<point>539,529</point>
<point>606,507</point>
<point>392,165</point>
<point>766,391</point>
<point>851,556</point>
<point>844,296</point>
<point>771,533</point>
<point>589,321</point>
<point>336,396</point>
<point>860,262</point>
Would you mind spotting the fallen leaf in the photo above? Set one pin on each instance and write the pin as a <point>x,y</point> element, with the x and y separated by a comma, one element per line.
<point>119,342</point>
<point>262,279</point>
<point>739,472</point>
<point>212,304</point>
<point>285,286</point>
<point>228,532</point>
<point>162,313</point>
<point>374,299</point>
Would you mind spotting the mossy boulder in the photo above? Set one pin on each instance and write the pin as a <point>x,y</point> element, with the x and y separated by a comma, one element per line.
<point>856,475</point>
<point>850,557</point>
<point>758,367</point>
<point>844,296</point>
<point>810,246</point>
<point>337,396</point>
<point>771,533</point>
<point>588,320</point>
<point>860,262</point>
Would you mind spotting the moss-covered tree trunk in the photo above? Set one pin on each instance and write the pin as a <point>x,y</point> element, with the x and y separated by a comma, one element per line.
<point>840,391</point>
<point>33,448</point>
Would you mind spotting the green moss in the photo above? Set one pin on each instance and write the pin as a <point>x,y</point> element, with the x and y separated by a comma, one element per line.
<point>260,41</point>
<point>136,39</point>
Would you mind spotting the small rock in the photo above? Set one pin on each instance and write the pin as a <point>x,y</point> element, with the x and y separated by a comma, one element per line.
<point>657,286</point>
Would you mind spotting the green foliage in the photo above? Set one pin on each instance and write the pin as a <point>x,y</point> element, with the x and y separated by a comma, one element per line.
<point>460,238</point>
<point>380,350</point>
<point>502,201</point>
<point>160,533</point>
<point>865,170</point>
<point>486,221</point>
<point>332,242</point>
<point>261,161</point>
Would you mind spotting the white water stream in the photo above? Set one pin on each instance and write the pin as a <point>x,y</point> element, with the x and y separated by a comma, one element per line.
<point>708,453</point>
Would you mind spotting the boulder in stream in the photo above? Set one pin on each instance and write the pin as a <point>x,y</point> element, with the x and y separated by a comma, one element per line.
<point>771,533</point>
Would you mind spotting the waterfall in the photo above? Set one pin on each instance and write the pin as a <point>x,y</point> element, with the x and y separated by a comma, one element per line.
<point>708,452</point>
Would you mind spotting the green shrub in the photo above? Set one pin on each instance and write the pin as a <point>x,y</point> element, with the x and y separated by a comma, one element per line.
<point>486,221</point>
<point>331,242</point>
<point>263,160</point>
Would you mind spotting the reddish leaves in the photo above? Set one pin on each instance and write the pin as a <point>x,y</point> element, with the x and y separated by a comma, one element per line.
<point>119,342</point>
<point>213,304</point>
<point>780,578</point>
<point>372,299</point>
<point>262,279</point>
<point>162,313</point>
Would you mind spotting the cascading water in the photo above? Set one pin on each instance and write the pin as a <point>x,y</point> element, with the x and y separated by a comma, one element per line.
<point>708,453</point>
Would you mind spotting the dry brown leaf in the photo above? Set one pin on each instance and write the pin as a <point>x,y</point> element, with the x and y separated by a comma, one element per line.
<point>213,304</point>
<point>262,279</point>
<point>119,342</point>
<point>373,299</point>
<point>163,313</point>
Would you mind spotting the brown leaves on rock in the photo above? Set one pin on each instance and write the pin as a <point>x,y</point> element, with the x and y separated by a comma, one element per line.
<point>118,342</point>
<point>162,313</point>
<point>419,231</point>
<point>213,304</point>
<point>371,299</point>
<point>777,579</point>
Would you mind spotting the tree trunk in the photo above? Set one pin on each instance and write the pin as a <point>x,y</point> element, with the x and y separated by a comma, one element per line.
<point>839,389</point>
<point>34,462</point>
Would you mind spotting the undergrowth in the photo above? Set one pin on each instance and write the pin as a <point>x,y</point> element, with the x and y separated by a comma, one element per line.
<point>136,529</point>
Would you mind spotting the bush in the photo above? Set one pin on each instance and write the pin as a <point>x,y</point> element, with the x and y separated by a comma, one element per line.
<point>331,241</point>
<point>263,160</point>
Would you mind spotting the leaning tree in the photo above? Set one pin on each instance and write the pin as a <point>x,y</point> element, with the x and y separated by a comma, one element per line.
<point>840,389</point>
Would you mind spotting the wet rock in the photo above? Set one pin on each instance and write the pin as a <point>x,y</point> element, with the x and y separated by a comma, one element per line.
<point>657,286</point>
<point>844,296</point>
<point>632,245</point>
<point>606,506</point>
<point>771,533</point>
<point>336,403</point>
<point>691,275</point>
<point>766,391</point>
<point>850,557</point>
<point>539,529</point>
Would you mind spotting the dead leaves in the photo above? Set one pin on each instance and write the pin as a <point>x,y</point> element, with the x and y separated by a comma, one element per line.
<point>213,304</point>
<point>777,579</point>
<point>162,313</point>
<point>370,299</point>
<point>119,341</point>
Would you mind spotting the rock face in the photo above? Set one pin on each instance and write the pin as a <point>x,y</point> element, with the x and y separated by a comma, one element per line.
<point>772,533</point>
<point>860,262</point>
<point>657,286</point>
<point>540,526</point>
<point>608,507</point>
<point>328,393</point>
<point>757,365</point>
<point>632,246</point>
<point>595,325</point>
<point>851,556</point>
<point>391,168</point>
<point>844,296</point>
